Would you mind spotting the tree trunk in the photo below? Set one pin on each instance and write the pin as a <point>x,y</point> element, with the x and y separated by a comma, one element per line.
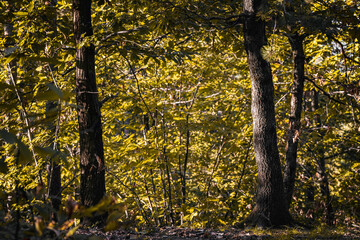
<point>297,90</point>
<point>325,192</point>
<point>309,193</point>
<point>52,110</point>
<point>270,209</point>
<point>324,183</point>
<point>92,167</point>
<point>53,168</point>
<point>309,174</point>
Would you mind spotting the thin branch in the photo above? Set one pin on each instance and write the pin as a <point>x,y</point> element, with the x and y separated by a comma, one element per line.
<point>59,111</point>
<point>121,33</point>
<point>195,92</point>
<point>69,182</point>
<point>24,112</point>
<point>323,91</point>
<point>344,53</point>
<point>216,164</point>
<point>336,154</point>
<point>244,166</point>
<point>191,100</point>
<point>230,21</point>
<point>137,199</point>
<point>281,98</point>
<point>107,98</point>
<point>68,71</point>
<point>237,17</point>
<point>138,87</point>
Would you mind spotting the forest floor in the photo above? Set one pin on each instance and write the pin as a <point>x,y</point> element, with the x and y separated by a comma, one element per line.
<point>176,233</point>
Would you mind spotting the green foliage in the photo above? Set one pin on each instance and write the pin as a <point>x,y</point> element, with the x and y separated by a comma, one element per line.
<point>176,114</point>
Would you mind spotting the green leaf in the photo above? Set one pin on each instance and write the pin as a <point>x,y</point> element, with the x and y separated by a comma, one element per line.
<point>56,90</point>
<point>5,86</point>
<point>52,94</point>
<point>8,137</point>
<point>3,166</point>
<point>9,58</point>
<point>46,96</point>
<point>21,14</point>
<point>25,154</point>
<point>30,7</point>
<point>71,231</point>
<point>45,152</point>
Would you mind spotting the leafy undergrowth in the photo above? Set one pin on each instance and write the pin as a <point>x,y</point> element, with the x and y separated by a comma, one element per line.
<point>177,233</point>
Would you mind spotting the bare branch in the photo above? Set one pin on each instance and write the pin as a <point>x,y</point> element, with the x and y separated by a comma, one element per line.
<point>121,33</point>
<point>323,91</point>
<point>343,51</point>
<point>107,98</point>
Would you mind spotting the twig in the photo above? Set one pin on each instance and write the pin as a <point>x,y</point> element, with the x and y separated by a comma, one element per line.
<point>138,87</point>
<point>137,199</point>
<point>24,112</point>
<point>121,33</point>
<point>323,91</point>
<point>281,98</point>
<point>230,21</point>
<point>68,71</point>
<point>344,53</point>
<point>59,111</point>
<point>69,182</point>
<point>244,166</point>
<point>216,164</point>
<point>195,92</point>
<point>108,98</point>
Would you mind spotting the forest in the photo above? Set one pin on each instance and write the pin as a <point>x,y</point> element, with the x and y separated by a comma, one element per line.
<point>210,114</point>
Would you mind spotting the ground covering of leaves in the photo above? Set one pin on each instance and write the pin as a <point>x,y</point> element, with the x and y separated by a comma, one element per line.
<point>176,233</point>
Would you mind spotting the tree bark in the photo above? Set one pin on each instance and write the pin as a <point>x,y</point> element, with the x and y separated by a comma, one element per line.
<point>270,209</point>
<point>92,167</point>
<point>53,168</point>
<point>52,110</point>
<point>324,182</point>
<point>297,90</point>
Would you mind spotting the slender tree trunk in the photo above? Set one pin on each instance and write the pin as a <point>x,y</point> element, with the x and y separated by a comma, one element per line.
<point>52,108</point>
<point>270,209</point>
<point>324,183</point>
<point>297,90</point>
<point>325,192</point>
<point>92,185</point>
<point>53,168</point>
<point>309,173</point>
<point>186,159</point>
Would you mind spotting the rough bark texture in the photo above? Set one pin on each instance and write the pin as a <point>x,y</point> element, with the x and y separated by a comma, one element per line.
<point>92,186</point>
<point>297,90</point>
<point>270,209</point>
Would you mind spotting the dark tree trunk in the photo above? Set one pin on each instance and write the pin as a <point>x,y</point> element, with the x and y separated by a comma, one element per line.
<point>270,209</point>
<point>92,167</point>
<point>309,174</point>
<point>309,192</point>
<point>325,192</point>
<point>324,183</point>
<point>297,90</point>
<point>52,110</point>
<point>53,168</point>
